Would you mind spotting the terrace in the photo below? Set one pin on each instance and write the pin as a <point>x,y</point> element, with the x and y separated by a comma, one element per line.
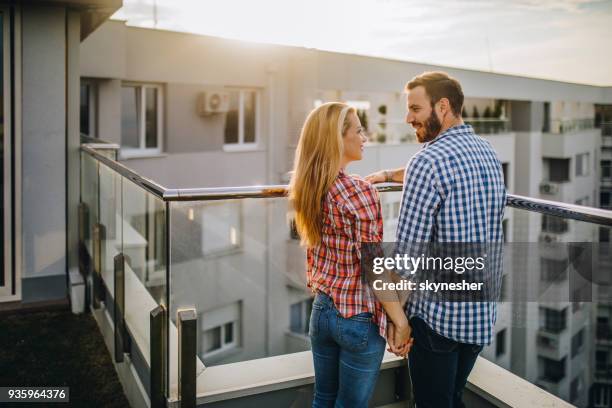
<point>201,299</point>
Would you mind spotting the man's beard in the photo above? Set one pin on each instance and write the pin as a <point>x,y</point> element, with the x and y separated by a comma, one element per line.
<point>432,127</point>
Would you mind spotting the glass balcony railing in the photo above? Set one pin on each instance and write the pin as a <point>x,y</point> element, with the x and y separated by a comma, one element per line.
<point>203,283</point>
<point>571,125</point>
<point>488,126</point>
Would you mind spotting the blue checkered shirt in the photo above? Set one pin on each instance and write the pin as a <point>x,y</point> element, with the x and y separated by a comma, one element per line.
<point>454,192</point>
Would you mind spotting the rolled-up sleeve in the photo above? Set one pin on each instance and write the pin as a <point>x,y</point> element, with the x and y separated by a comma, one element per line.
<point>365,210</point>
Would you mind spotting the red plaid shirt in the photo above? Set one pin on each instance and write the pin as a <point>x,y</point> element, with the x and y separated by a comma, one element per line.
<point>351,215</point>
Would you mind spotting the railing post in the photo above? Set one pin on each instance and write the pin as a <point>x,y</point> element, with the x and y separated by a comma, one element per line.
<point>99,233</point>
<point>83,222</point>
<point>119,309</point>
<point>157,340</point>
<point>187,320</point>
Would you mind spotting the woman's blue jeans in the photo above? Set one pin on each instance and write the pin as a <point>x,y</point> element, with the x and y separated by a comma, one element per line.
<point>347,354</point>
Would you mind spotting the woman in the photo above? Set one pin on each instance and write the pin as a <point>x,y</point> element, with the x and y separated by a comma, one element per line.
<point>334,214</point>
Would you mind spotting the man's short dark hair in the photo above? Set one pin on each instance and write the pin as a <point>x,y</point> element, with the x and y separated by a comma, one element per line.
<point>440,85</point>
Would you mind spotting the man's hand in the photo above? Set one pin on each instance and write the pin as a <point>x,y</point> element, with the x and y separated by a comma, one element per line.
<point>378,177</point>
<point>399,338</point>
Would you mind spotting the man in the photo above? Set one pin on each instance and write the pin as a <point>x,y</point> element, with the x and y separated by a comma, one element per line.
<point>453,192</point>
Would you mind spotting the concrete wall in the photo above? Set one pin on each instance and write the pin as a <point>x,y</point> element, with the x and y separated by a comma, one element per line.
<point>44,152</point>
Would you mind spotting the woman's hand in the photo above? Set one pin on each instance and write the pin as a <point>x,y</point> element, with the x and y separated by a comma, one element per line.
<point>399,337</point>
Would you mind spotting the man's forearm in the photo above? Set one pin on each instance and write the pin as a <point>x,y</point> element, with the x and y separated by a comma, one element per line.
<point>397,175</point>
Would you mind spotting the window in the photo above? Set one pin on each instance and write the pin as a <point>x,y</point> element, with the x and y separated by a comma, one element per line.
<point>87,109</point>
<point>554,321</point>
<point>556,225</point>
<point>220,329</point>
<point>601,360</point>
<point>500,343</point>
<point>576,387</point>
<point>558,169</point>
<point>299,316</point>
<point>606,169</point>
<point>553,270</point>
<point>552,370</point>
<point>601,396</point>
<point>605,199</point>
<point>504,289</point>
<point>141,120</point>
<point>604,234</point>
<point>221,228</point>
<point>242,119</point>
<point>582,164</point>
<point>577,342</point>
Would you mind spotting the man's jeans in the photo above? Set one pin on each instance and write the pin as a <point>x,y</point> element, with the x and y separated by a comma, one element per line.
<point>439,367</point>
<point>347,354</point>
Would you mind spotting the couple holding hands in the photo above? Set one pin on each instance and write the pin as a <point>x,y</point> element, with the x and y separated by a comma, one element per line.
<point>453,191</point>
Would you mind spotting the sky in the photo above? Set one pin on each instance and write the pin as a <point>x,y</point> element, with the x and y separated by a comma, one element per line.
<point>567,40</point>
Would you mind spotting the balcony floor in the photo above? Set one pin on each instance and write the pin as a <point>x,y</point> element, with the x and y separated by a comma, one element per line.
<point>59,348</point>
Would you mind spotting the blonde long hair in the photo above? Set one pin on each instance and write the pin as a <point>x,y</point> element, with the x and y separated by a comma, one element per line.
<point>316,166</point>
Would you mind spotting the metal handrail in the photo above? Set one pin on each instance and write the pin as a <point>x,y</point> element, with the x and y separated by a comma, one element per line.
<point>555,208</point>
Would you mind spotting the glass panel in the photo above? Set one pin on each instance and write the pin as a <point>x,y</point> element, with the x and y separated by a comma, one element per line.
<point>247,279</point>
<point>250,116</point>
<point>556,286</point>
<point>151,117</point>
<point>130,102</point>
<point>547,294</point>
<point>231,118</point>
<point>212,339</point>
<point>110,218</point>
<point>89,195</point>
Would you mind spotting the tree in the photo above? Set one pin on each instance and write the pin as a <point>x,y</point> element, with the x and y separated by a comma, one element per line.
<point>475,114</point>
<point>487,112</point>
<point>497,112</point>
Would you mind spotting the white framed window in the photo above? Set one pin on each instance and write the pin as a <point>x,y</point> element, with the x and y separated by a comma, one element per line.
<point>582,164</point>
<point>220,329</point>
<point>242,120</point>
<point>87,108</point>
<point>141,120</point>
<point>221,228</point>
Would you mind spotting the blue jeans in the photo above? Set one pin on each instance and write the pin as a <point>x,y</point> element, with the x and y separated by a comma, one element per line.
<point>347,354</point>
<point>439,367</point>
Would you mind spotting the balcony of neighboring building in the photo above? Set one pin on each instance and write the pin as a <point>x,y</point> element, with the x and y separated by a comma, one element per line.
<point>565,138</point>
<point>552,376</point>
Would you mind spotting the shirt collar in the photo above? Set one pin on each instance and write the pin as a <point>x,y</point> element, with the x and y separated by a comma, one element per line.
<point>459,129</point>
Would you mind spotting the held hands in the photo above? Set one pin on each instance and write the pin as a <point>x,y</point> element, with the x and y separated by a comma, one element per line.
<point>399,338</point>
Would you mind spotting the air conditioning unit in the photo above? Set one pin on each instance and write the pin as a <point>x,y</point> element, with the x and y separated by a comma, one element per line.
<point>549,188</point>
<point>210,103</point>
<point>548,238</point>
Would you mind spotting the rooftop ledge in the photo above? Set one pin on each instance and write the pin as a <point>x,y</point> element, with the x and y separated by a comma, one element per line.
<point>488,381</point>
